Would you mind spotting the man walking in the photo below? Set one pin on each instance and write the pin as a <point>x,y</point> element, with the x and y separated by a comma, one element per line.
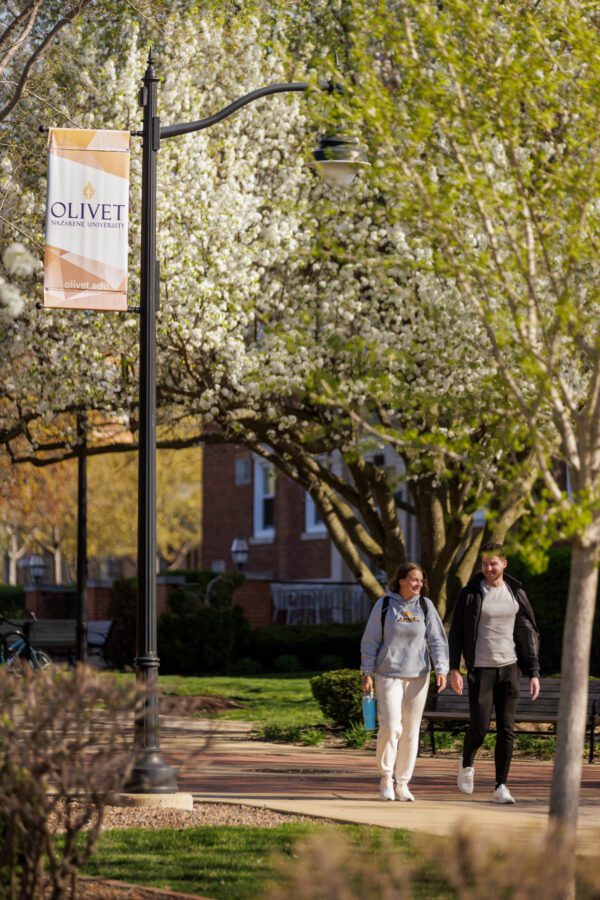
<point>494,629</point>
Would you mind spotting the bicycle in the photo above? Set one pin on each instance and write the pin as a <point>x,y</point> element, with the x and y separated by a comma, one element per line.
<point>16,650</point>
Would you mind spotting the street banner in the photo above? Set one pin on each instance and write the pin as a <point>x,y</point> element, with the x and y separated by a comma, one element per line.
<point>87,209</point>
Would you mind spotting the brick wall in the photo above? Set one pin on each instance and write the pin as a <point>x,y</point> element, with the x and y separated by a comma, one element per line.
<point>255,599</point>
<point>228,513</point>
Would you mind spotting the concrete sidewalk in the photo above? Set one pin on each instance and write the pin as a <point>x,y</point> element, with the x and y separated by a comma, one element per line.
<point>341,785</point>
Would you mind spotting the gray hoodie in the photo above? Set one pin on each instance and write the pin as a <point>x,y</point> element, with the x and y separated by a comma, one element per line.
<point>409,644</point>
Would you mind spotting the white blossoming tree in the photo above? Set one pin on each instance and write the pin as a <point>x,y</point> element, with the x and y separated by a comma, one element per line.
<point>292,321</point>
<point>491,112</point>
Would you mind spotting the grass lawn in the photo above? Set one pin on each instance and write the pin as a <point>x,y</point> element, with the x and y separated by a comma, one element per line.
<point>284,700</point>
<point>235,862</point>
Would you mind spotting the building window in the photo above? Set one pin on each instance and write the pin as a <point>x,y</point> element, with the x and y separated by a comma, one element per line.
<point>313,523</point>
<point>264,499</point>
<point>242,470</point>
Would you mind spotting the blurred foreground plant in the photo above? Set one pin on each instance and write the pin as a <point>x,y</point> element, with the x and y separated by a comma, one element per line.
<point>62,740</point>
<point>467,866</point>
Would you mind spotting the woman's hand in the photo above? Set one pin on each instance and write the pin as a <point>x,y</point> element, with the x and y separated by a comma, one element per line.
<point>440,680</point>
<point>367,684</point>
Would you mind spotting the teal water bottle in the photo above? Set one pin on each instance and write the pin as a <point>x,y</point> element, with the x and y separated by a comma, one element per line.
<point>369,709</point>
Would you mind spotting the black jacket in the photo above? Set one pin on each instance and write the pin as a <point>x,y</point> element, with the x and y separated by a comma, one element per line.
<point>465,622</point>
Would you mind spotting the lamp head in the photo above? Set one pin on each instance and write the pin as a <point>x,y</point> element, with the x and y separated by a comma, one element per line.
<point>239,552</point>
<point>338,158</point>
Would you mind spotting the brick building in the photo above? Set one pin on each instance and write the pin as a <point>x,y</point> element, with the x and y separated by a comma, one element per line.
<point>293,573</point>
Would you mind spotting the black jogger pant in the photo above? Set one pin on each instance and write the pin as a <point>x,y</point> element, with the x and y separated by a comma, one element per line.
<point>497,687</point>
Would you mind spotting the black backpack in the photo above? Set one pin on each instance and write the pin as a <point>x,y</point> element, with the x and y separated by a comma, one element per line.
<point>385,607</point>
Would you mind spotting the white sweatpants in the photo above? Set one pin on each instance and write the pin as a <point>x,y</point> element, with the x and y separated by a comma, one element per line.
<point>400,705</point>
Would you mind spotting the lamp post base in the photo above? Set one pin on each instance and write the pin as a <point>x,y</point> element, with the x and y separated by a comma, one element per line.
<point>151,775</point>
<point>179,800</point>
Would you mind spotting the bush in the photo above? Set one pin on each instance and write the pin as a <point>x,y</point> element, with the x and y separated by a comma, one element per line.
<point>246,666</point>
<point>339,696</point>
<point>12,601</point>
<point>194,640</point>
<point>309,643</point>
<point>120,646</point>
<point>331,661</point>
<point>287,662</point>
<point>548,592</point>
<point>49,735</point>
<point>357,736</point>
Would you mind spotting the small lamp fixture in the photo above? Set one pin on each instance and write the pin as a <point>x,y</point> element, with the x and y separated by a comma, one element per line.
<point>36,567</point>
<point>239,552</point>
<point>338,158</point>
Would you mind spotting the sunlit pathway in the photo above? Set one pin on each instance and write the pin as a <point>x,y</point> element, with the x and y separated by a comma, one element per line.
<point>216,761</point>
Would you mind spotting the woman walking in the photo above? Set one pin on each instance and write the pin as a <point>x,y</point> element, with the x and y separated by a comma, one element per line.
<point>403,636</point>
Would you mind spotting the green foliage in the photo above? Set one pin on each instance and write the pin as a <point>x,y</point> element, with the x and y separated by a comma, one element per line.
<point>331,661</point>
<point>339,695</point>
<point>284,734</point>
<point>193,639</point>
<point>221,593</point>
<point>12,600</point>
<point>290,734</point>
<point>311,644</point>
<point>246,666</point>
<point>548,591</point>
<point>120,646</point>
<point>311,737</point>
<point>287,662</point>
<point>357,736</point>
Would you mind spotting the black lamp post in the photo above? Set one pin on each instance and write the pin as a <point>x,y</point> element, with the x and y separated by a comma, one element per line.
<point>336,154</point>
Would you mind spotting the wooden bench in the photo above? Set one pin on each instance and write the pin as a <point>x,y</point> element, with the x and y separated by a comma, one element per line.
<point>58,636</point>
<point>450,712</point>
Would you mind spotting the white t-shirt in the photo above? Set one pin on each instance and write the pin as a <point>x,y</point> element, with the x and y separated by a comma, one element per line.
<point>495,644</point>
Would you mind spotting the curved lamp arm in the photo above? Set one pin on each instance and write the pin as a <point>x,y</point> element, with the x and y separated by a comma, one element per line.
<point>285,87</point>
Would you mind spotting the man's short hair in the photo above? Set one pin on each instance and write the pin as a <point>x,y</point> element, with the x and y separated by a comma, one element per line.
<point>492,548</point>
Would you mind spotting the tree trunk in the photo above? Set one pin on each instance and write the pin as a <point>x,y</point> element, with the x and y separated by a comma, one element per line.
<point>572,710</point>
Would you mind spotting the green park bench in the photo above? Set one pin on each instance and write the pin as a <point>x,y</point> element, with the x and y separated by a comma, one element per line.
<point>58,636</point>
<point>450,712</point>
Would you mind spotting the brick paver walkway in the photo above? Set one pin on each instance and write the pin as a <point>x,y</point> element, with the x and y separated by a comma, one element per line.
<point>342,784</point>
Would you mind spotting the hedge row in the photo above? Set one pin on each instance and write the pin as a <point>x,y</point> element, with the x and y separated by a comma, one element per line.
<point>548,592</point>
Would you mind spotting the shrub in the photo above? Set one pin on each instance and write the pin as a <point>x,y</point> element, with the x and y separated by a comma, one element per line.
<point>194,639</point>
<point>330,661</point>
<point>120,646</point>
<point>12,601</point>
<point>357,736</point>
<point>49,735</point>
<point>246,666</point>
<point>548,593</point>
<point>287,662</point>
<point>310,643</point>
<point>339,695</point>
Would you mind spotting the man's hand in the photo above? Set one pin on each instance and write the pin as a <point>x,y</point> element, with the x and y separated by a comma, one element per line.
<point>456,680</point>
<point>534,688</point>
<point>367,684</point>
<point>440,681</point>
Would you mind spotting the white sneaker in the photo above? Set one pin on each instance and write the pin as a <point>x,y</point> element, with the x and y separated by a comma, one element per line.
<point>466,778</point>
<point>502,795</point>
<point>386,788</point>
<point>403,793</point>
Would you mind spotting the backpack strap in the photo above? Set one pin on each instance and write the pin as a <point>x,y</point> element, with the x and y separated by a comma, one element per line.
<point>423,603</point>
<point>384,609</point>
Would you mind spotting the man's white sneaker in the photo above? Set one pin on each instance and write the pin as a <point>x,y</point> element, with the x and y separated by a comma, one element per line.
<point>386,789</point>
<point>466,778</point>
<point>403,793</point>
<point>502,795</point>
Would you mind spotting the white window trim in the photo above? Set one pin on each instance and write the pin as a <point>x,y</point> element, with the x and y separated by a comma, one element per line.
<point>311,526</point>
<point>259,530</point>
